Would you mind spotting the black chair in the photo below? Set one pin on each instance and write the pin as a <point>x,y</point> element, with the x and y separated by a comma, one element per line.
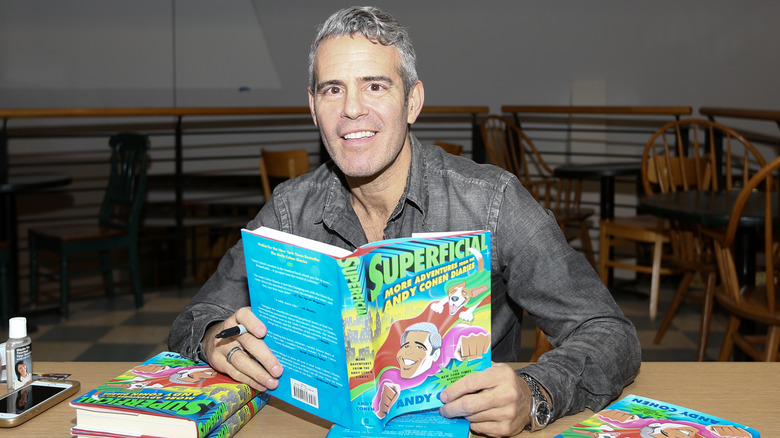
<point>116,229</point>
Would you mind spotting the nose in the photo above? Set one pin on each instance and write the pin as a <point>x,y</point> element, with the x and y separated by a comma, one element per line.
<point>354,107</point>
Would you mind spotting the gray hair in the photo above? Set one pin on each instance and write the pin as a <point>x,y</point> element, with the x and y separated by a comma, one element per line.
<point>378,27</point>
<point>426,327</point>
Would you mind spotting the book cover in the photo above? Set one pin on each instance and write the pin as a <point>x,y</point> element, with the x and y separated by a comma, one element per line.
<point>368,335</point>
<point>236,421</point>
<point>635,416</point>
<point>421,424</point>
<point>167,395</point>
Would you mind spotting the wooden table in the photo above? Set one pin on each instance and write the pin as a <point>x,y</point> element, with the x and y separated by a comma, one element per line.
<point>713,209</point>
<point>606,173</point>
<point>746,392</point>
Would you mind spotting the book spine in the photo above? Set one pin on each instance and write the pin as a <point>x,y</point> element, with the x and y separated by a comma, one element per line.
<point>225,410</point>
<point>236,421</point>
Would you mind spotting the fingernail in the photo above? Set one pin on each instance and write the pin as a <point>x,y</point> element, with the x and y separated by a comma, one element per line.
<point>443,397</point>
<point>277,370</point>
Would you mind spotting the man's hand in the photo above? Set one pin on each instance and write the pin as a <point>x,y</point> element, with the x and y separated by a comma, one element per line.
<point>496,401</point>
<point>253,364</point>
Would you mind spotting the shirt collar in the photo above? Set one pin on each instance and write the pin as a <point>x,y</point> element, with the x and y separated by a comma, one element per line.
<point>416,191</point>
<point>337,207</point>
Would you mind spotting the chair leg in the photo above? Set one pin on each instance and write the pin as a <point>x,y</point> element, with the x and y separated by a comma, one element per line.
<point>772,344</point>
<point>108,273</point>
<point>64,292</point>
<point>706,315</point>
<point>603,253</point>
<point>33,245</point>
<point>655,277</point>
<point>674,306</point>
<point>728,340</point>
<point>135,276</point>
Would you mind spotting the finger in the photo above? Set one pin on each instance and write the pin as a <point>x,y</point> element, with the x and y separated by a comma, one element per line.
<point>243,368</point>
<point>259,351</point>
<point>252,323</point>
<point>476,382</point>
<point>253,344</point>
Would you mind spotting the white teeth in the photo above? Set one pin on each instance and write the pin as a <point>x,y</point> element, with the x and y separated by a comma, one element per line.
<point>361,134</point>
<point>408,362</point>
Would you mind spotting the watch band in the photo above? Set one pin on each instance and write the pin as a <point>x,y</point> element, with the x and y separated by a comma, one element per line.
<point>541,413</point>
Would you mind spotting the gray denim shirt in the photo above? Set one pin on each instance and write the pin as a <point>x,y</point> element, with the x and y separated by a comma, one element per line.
<point>596,351</point>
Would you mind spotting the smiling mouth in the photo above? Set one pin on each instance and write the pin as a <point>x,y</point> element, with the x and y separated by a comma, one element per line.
<point>359,134</point>
<point>409,362</point>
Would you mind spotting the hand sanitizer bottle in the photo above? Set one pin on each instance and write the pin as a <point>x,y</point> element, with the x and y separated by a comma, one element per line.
<point>18,354</point>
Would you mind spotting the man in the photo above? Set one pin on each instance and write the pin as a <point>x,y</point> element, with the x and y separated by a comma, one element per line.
<point>382,183</point>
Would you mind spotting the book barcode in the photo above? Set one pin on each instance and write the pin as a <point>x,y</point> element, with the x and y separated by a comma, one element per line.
<point>305,393</point>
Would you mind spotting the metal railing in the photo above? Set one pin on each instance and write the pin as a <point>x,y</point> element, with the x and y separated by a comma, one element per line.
<point>204,174</point>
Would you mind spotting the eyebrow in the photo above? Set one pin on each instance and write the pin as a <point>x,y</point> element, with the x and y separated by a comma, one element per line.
<point>364,79</point>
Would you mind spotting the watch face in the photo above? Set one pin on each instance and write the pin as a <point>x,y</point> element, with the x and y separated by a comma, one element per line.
<point>542,413</point>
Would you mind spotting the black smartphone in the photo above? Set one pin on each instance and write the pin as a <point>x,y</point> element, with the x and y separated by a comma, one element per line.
<point>20,405</point>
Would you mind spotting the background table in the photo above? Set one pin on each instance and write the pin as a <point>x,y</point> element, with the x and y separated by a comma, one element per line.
<point>19,183</point>
<point>713,209</point>
<point>746,392</point>
<point>606,173</point>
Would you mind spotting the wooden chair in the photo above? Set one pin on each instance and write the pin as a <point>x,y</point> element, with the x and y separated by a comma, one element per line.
<point>453,148</point>
<point>5,304</point>
<point>116,228</point>
<point>508,147</point>
<point>747,302</point>
<point>692,154</point>
<point>281,165</point>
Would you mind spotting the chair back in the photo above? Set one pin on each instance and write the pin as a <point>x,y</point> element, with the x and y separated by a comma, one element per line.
<point>453,148</point>
<point>697,154</point>
<point>701,155</point>
<point>126,190</point>
<point>762,187</point>
<point>281,165</point>
<point>509,148</point>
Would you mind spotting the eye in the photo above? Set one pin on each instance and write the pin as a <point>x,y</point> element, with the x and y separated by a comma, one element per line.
<point>376,87</point>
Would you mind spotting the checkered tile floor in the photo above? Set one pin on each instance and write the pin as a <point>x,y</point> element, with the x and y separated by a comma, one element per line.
<point>104,330</point>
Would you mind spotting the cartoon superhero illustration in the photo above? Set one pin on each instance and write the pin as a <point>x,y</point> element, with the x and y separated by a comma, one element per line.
<point>420,355</point>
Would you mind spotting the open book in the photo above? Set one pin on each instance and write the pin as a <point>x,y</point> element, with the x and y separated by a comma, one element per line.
<point>368,335</point>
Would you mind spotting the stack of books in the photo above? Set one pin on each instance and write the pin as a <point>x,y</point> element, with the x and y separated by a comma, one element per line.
<point>167,395</point>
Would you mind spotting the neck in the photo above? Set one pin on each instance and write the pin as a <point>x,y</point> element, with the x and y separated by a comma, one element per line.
<point>375,198</point>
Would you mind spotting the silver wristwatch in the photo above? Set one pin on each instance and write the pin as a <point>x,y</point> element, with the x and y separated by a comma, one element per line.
<point>541,414</point>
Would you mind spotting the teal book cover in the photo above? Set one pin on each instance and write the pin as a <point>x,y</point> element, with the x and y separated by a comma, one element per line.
<point>368,335</point>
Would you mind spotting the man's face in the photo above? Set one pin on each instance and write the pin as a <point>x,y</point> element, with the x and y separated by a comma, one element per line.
<point>358,104</point>
<point>416,355</point>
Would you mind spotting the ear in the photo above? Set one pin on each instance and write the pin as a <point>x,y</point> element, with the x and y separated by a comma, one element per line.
<point>436,354</point>
<point>311,107</point>
<point>415,104</point>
